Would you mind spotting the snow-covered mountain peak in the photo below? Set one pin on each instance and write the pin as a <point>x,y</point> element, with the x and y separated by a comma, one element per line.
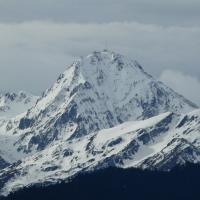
<point>109,62</point>
<point>109,75</point>
<point>97,71</point>
<point>96,92</point>
<point>103,55</point>
<point>104,64</point>
<point>104,110</point>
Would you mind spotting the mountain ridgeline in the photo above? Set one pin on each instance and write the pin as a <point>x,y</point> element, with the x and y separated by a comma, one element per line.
<point>103,111</point>
<point>97,92</point>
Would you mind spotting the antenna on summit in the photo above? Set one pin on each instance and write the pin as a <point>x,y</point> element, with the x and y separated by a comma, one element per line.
<point>106,46</point>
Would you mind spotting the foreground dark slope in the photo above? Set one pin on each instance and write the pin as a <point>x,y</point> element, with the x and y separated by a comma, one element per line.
<point>112,183</point>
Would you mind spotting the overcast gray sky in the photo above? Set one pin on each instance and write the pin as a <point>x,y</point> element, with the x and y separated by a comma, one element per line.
<point>38,38</point>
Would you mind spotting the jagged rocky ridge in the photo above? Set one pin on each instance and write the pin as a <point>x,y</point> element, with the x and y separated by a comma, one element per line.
<point>104,110</point>
<point>12,104</point>
<point>97,92</point>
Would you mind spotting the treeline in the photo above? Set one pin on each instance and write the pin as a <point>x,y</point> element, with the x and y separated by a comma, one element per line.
<point>182,183</point>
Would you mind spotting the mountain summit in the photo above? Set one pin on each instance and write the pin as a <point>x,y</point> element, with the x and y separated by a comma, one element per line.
<point>99,91</point>
<point>104,110</point>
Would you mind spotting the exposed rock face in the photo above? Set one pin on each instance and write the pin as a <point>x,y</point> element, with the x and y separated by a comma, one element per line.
<point>100,91</point>
<point>3,163</point>
<point>104,110</point>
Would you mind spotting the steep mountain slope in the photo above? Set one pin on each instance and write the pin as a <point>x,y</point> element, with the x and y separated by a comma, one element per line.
<point>104,110</point>
<point>161,142</point>
<point>13,106</point>
<point>183,147</point>
<point>100,91</point>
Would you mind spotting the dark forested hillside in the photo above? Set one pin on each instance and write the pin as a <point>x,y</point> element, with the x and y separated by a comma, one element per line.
<point>112,184</point>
